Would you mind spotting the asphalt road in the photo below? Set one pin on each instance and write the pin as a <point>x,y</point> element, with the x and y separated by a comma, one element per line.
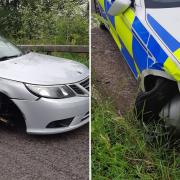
<point>54,157</point>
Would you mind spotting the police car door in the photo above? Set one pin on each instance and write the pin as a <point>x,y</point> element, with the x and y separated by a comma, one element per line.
<point>122,24</point>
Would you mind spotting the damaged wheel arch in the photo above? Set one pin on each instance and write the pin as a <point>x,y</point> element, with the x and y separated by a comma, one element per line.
<point>10,113</point>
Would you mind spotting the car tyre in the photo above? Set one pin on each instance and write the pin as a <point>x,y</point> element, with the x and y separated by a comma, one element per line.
<point>148,104</point>
<point>10,114</point>
<point>103,27</point>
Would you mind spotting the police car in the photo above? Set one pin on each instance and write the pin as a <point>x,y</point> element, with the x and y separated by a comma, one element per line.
<point>147,33</point>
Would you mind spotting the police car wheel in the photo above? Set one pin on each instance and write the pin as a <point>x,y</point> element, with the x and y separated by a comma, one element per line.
<point>103,27</point>
<point>0,101</point>
<point>149,104</point>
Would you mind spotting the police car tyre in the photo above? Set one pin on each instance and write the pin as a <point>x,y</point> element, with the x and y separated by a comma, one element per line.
<point>0,101</point>
<point>103,27</point>
<point>149,104</point>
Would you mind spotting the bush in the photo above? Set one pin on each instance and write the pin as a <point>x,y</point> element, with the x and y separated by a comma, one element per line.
<point>45,22</point>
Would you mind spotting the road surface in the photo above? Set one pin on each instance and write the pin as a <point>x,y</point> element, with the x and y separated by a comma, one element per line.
<point>54,157</point>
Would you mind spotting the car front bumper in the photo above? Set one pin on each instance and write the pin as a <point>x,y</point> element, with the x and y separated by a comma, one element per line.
<point>38,114</point>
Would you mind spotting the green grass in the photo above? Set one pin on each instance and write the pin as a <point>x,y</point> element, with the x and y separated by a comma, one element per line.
<point>120,149</point>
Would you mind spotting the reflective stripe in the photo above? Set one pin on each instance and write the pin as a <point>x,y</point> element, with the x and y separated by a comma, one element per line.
<point>130,15</point>
<point>167,38</point>
<point>114,34</point>
<point>171,67</point>
<point>140,30</point>
<point>177,54</point>
<point>101,2</point>
<point>137,69</point>
<point>123,27</point>
<point>124,31</point>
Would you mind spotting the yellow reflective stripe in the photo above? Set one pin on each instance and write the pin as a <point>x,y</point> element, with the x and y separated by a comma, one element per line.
<point>130,15</point>
<point>137,69</point>
<point>123,24</point>
<point>101,2</point>
<point>124,34</point>
<point>177,54</point>
<point>124,31</point>
<point>171,67</point>
<point>115,37</point>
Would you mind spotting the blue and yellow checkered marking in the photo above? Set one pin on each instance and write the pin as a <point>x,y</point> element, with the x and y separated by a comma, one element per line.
<point>143,33</point>
<point>138,46</point>
<point>169,65</point>
<point>168,39</point>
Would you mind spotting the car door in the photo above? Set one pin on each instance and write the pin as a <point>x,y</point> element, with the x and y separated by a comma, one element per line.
<point>125,29</point>
<point>123,26</point>
<point>121,29</point>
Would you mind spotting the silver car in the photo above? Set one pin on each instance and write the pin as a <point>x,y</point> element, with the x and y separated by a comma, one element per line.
<point>49,94</point>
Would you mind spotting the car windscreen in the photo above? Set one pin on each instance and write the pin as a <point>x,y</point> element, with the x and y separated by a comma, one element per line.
<point>162,3</point>
<point>8,50</point>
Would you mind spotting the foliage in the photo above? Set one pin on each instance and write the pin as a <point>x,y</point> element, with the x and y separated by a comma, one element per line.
<point>120,149</point>
<point>45,21</point>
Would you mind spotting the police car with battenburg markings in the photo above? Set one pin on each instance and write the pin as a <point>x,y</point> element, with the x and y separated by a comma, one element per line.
<point>147,35</point>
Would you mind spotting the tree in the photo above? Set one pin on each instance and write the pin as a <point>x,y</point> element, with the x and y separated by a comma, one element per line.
<point>60,21</point>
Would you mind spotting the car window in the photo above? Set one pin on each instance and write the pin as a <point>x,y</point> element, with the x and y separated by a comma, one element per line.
<point>7,49</point>
<point>162,3</point>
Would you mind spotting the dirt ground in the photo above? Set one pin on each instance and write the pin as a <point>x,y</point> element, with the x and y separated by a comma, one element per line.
<point>55,157</point>
<point>111,74</point>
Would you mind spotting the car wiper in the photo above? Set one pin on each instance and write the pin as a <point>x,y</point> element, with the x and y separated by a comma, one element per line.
<point>8,57</point>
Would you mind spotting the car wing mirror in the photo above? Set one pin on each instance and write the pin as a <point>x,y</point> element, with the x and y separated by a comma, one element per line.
<point>118,7</point>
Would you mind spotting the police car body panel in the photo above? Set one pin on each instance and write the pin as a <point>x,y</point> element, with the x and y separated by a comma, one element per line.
<point>147,35</point>
<point>141,35</point>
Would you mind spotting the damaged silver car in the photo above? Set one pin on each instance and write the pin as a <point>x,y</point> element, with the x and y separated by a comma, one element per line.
<point>49,94</point>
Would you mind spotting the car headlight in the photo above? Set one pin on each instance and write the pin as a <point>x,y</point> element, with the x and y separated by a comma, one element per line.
<point>55,92</point>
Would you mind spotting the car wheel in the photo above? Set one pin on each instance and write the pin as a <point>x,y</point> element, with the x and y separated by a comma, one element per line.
<point>103,27</point>
<point>10,115</point>
<point>97,10</point>
<point>149,104</point>
<point>0,101</point>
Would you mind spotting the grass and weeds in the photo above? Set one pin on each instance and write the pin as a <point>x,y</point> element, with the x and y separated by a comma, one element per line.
<point>120,149</point>
<point>38,22</point>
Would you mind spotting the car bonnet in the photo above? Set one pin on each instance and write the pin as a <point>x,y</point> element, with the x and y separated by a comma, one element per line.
<point>34,68</point>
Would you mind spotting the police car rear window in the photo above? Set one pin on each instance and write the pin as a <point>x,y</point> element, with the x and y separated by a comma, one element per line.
<point>162,3</point>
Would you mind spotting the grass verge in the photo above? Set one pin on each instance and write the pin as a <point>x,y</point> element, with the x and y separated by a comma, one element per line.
<point>120,149</point>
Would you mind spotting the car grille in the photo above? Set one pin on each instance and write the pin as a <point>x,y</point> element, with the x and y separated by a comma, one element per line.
<point>85,84</point>
<point>85,116</point>
<point>77,89</point>
<point>81,88</point>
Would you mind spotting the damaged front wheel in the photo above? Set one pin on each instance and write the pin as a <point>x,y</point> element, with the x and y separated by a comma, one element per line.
<point>162,101</point>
